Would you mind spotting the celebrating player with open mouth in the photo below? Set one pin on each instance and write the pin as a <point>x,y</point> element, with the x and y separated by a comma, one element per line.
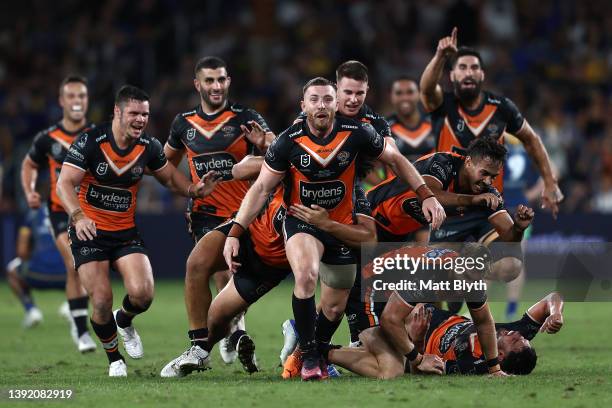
<point>260,266</point>
<point>319,157</point>
<point>107,164</point>
<point>468,112</point>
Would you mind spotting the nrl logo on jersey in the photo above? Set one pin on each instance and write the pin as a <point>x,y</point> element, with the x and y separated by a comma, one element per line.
<point>191,134</point>
<point>305,160</point>
<point>460,125</point>
<point>101,169</point>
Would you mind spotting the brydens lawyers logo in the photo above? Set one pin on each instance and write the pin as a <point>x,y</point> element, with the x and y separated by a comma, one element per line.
<point>305,160</point>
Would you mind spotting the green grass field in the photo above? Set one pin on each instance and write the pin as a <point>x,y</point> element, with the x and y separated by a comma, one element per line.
<point>574,367</point>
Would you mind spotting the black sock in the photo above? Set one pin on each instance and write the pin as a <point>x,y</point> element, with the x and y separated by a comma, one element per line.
<point>235,336</point>
<point>324,349</point>
<point>199,337</point>
<point>78,312</point>
<point>107,333</point>
<point>325,328</point>
<point>127,312</point>
<point>304,312</point>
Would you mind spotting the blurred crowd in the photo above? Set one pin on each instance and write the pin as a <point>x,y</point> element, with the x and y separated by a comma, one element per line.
<point>553,58</point>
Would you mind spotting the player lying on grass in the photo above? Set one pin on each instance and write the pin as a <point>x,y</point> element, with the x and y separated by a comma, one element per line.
<point>402,300</point>
<point>454,339</point>
<point>464,186</point>
<point>260,266</point>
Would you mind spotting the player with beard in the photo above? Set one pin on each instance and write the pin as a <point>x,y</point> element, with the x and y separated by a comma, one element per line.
<point>352,85</point>
<point>49,149</point>
<point>470,112</point>
<point>318,158</point>
<point>107,164</point>
<point>263,265</point>
<point>214,136</point>
<point>454,339</point>
<point>463,190</point>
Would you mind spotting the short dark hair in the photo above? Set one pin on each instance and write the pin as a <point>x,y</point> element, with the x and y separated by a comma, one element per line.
<point>71,79</point>
<point>520,362</point>
<point>318,81</point>
<point>405,78</point>
<point>209,62</point>
<point>129,92</point>
<point>463,51</point>
<point>352,69</point>
<point>486,146</point>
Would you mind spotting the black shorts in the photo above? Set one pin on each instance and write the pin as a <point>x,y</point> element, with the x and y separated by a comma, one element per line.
<point>200,224</point>
<point>471,227</point>
<point>59,222</point>
<point>106,246</point>
<point>254,278</point>
<point>335,253</point>
<point>361,313</point>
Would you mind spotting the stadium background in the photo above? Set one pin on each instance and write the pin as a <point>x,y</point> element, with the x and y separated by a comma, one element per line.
<point>552,58</point>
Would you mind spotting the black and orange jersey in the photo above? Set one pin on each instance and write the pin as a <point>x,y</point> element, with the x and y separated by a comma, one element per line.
<point>455,340</point>
<point>49,149</point>
<point>412,142</point>
<point>215,142</point>
<point>456,127</point>
<point>378,121</point>
<point>322,171</point>
<point>365,115</point>
<point>396,209</point>
<point>267,232</point>
<point>107,193</point>
<point>267,229</point>
<point>445,168</point>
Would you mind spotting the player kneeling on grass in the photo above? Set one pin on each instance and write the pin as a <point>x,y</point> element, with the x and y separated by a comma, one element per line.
<point>261,264</point>
<point>107,164</point>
